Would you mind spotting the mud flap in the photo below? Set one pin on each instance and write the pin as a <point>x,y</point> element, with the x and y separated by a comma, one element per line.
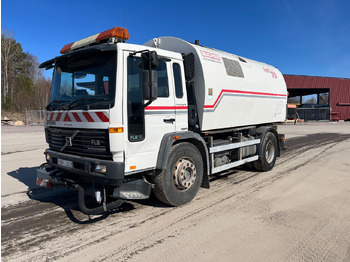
<point>281,139</point>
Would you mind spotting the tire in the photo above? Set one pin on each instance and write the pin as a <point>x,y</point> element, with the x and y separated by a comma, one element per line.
<point>268,153</point>
<point>179,183</point>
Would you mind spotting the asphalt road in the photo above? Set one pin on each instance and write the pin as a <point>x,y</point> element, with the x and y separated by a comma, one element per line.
<point>299,211</point>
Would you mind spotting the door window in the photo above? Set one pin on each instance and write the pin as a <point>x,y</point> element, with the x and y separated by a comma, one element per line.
<point>178,81</point>
<point>136,113</point>
<point>163,86</point>
<point>136,120</point>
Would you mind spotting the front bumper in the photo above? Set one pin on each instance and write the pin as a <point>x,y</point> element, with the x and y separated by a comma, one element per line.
<point>119,190</point>
<point>83,167</point>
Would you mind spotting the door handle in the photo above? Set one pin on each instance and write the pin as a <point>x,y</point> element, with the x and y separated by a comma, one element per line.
<point>169,120</point>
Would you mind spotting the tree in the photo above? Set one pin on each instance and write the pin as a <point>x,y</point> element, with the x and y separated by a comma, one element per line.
<point>12,64</point>
<point>324,98</point>
<point>294,100</point>
<point>32,68</point>
<point>22,84</point>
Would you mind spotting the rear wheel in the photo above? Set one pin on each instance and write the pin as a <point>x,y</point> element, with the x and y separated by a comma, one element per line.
<point>268,153</point>
<point>179,183</point>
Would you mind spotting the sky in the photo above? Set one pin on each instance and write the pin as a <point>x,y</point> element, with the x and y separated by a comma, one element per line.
<point>300,37</point>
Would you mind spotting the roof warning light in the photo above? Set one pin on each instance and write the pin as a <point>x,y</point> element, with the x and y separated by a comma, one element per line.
<point>117,32</point>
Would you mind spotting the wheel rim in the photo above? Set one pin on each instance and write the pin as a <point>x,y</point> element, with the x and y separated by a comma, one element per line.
<point>184,174</point>
<point>270,152</point>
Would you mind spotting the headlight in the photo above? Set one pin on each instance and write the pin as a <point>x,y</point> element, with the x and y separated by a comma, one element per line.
<point>100,168</point>
<point>48,158</point>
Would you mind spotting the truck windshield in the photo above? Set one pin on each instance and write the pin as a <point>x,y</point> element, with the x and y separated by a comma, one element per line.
<point>84,82</point>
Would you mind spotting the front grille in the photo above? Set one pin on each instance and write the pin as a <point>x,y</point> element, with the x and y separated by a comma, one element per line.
<point>82,142</point>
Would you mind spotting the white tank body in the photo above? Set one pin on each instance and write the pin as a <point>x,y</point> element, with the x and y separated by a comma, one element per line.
<point>231,91</point>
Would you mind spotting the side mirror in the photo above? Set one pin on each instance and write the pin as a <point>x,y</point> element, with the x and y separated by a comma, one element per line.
<point>150,84</point>
<point>149,60</point>
<point>149,76</point>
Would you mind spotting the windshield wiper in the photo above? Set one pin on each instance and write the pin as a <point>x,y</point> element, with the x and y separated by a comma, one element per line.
<point>50,105</point>
<point>99,103</point>
<point>76,102</point>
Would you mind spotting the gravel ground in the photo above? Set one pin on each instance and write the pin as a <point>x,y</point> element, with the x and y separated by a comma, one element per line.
<point>299,211</point>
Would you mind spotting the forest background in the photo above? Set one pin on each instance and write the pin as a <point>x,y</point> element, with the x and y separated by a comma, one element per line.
<point>23,84</point>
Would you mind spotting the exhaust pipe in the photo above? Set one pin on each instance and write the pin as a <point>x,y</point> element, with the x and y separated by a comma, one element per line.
<point>97,210</point>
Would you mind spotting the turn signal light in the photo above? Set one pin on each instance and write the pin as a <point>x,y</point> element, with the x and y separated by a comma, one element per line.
<point>116,130</point>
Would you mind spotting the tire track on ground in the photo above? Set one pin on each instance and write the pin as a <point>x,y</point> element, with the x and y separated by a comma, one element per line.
<point>30,232</point>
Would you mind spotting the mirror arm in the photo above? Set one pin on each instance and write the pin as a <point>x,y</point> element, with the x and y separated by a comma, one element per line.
<point>150,73</point>
<point>148,103</point>
<point>136,52</point>
<point>150,83</point>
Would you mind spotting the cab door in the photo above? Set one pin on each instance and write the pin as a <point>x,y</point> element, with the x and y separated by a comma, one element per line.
<point>146,125</point>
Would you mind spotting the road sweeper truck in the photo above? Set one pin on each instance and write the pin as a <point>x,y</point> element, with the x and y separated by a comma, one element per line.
<point>125,119</point>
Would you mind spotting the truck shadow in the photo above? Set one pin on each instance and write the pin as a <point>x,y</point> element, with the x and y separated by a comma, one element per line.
<point>26,175</point>
<point>67,199</point>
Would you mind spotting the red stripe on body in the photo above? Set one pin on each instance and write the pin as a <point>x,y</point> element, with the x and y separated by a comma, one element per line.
<point>241,92</point>
<point>76,116</point>
<point>166,108</point>
<point>67,118</point>
<point>88,117</point>
<point>181,107</point>
<point>160,108</point>
<point>58,116</point>
<point>102,116</point>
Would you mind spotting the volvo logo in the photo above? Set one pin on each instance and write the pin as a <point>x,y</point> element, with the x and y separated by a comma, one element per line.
<point>69,140</point>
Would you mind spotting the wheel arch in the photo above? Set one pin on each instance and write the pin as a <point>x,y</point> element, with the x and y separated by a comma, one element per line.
<point>174,138</point>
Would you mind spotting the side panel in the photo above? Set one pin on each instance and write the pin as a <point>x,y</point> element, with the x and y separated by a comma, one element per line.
<point>117,113</point>
<point>240,93</point>
<point>232,91</point>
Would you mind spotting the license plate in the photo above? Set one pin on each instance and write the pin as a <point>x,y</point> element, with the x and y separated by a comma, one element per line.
<point>65,163</point>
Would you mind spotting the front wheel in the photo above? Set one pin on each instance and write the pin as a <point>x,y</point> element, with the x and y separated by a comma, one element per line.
<point>179,183</point>
<point>268,153</point>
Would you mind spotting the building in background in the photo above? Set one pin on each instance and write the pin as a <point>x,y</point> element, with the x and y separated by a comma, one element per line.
<point>319,98</point>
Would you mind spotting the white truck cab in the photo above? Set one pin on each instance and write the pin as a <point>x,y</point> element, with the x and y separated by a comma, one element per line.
<point>123,119</point>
